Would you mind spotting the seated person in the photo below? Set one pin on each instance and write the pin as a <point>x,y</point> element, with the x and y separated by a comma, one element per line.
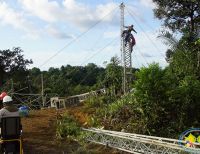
<point>1,103</point>
<point>9,109</point>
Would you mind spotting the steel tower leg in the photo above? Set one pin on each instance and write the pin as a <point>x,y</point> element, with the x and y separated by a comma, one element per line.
<point>125,57</point>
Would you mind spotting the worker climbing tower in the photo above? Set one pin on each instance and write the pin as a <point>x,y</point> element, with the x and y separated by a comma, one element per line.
<point>126,59</point>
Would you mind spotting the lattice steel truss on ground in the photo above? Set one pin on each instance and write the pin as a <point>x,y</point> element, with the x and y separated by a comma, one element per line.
<point>135,143</point>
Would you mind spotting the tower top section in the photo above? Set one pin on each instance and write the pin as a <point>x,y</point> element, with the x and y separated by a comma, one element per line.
<point>122,5</point>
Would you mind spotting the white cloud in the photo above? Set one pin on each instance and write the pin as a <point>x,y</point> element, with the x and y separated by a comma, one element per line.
<point>149,48</point>
<point>48,11</point>
<point>67,57</point>
<point>16,19</point>
<point>111,34</point>
<point>148,3</point>
<point>55,32</point>
<point>70,11</point>
<point>84,16</point>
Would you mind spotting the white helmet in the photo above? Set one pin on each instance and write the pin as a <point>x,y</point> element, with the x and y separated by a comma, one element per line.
<point>7,99</point>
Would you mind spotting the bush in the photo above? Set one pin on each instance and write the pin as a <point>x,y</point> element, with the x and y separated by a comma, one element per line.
<point>67,127</point>
<point>98,101</point>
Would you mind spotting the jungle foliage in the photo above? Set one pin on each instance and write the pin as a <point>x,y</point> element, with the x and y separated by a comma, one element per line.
<point>163,102</point>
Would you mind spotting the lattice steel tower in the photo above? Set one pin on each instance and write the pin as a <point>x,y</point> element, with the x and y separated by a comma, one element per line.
<point>125,57</point>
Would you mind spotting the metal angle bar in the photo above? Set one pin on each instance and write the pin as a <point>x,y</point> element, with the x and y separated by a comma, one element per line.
<point>116,147</point>
<point>26,94</point>
<point>153,138</point>
<point>149,141</point>
<point>138,135</point>
<point>111,144</point>
<point>139,146</point>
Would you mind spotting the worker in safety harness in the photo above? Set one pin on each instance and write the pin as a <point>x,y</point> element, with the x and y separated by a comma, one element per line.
<point>128,36</point>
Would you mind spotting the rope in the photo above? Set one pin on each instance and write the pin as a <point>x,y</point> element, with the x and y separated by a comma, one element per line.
<point>75,39</point>
<point>96,54</point>
<point>147,25</point>
<point>145,33</point>
<point>136,60</point>
<point>139,51</point>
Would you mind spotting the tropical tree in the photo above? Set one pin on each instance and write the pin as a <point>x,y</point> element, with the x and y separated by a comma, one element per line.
<point>184,100</point>
<point>11,62</point>
<point>68,80</point>
<point>150,88</point>
<point>179,15</point>
<point>113,76</point>
<point>183,55</point>
<point>183,17</point>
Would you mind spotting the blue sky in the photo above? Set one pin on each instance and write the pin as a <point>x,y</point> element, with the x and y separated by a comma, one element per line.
<point>49,31</point>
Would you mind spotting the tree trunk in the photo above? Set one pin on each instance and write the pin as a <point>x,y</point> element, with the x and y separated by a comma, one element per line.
<point>1,76</point>
<point>192,20</point>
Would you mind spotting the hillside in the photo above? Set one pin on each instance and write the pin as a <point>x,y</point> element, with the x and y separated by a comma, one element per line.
<point>39,134</point>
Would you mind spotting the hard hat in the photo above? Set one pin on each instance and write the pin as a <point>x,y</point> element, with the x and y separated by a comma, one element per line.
<point>7,99</point>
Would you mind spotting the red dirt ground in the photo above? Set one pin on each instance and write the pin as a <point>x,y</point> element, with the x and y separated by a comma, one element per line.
<point>39,134</point>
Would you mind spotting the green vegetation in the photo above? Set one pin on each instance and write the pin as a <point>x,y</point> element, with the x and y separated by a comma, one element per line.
<point>67,127</point>
<point>164,101</point>
<point>13,65</point>
<point>182,16</point>
<point>68,80</point>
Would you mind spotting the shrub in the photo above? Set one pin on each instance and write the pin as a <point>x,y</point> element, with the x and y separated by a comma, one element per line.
<point>67,127</point>
<point>98,101</point>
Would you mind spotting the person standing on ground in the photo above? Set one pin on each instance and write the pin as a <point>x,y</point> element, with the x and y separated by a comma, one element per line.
<point>9,110</point>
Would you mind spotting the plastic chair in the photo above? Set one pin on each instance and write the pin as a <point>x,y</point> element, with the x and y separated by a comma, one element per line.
<point>11,139</point>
